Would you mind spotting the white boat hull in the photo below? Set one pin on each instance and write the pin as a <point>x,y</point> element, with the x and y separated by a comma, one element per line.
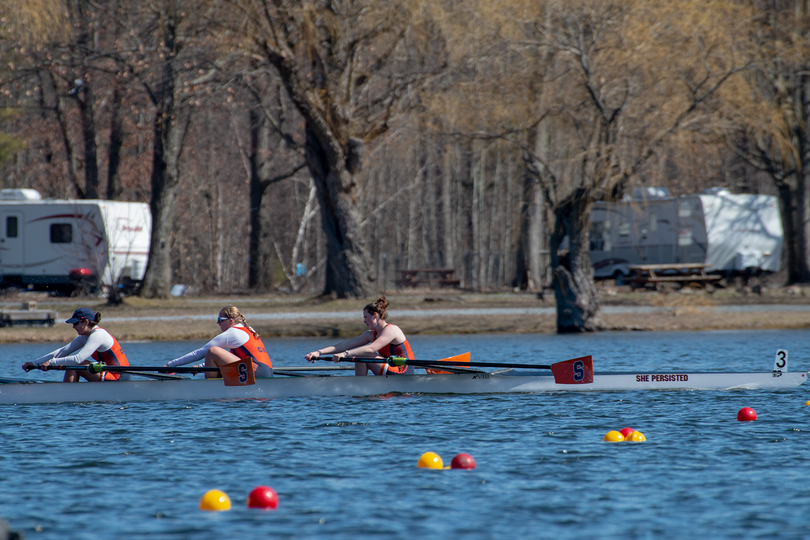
<point>476,383</point>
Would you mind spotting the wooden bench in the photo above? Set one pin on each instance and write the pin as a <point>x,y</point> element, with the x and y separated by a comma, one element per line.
<point>643,274</point>
<point>428,277</point>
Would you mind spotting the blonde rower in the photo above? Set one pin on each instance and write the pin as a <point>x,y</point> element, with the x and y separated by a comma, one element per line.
<point>237,340</point>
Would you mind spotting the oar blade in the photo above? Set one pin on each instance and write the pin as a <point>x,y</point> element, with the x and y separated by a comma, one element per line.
<point>459,358</point>
<point>238,373</point>
<point>575,371</point>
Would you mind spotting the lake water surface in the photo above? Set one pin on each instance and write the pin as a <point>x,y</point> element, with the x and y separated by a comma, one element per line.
<point>345,467</point>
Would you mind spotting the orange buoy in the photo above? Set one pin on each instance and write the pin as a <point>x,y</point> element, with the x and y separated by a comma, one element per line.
<point>747,414</point>
<point>613,436</point>
<point>215,501</point>
<point>636,436</point>
<point>430,460</point>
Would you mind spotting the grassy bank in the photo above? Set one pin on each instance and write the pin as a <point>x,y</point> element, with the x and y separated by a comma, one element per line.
<point>677,311</point>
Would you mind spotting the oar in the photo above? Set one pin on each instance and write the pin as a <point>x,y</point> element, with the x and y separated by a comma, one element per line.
<point>98,368</point>
<point>156,376</point>
<point>574,371</point>
<point>234,374</point>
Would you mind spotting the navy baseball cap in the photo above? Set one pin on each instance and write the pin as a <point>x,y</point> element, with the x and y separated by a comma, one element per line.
<point>82,313</point>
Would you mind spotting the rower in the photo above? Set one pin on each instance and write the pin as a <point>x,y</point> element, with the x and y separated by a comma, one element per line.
<point>238,340</point>
<point>92,341</point>
<point>381,340</point>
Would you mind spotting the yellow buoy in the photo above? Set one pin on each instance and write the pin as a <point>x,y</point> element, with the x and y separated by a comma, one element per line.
<point>637,436</point>
<point>215,501</point>
<point>808,403</point>
<point>430,460</point>
<point>613,436</point>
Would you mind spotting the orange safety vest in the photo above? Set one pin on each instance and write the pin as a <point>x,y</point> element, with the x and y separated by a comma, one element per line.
<point>403,349</point>
<point>113,357</point>
<point>253,348</point>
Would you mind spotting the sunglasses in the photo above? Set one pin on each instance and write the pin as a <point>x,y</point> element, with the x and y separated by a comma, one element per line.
<point>220,319</point>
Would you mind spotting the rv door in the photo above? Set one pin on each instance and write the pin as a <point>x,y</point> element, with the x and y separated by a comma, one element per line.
<point>11,244</point>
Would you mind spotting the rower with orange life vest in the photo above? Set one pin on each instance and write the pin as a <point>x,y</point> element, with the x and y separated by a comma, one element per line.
<point>381,340</point>
<point>92,341</point>
<point>237,341</point>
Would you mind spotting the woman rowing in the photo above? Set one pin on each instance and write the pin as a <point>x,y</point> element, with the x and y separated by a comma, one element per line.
<point>381,340</point>
<point>92,342</point>
<point>237,341</point>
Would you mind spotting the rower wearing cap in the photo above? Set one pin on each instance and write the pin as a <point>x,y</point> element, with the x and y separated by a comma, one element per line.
<point>92,342</point>
<point>381,340</point>
<point>237,341</point>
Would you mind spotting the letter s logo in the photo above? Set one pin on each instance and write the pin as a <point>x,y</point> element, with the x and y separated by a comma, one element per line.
<point>579,370</point>
<point>243,377</point>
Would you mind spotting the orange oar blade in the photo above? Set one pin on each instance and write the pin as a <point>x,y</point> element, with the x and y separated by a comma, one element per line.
<point>238,373</point>
<point>458,358</point>
<point>576,371</point>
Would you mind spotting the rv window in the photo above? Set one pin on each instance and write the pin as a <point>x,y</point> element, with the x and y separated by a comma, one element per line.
<point>11,227</point>
<point>684,210</point>
<point>61,233</point>
<point>600,236</point>
<point>652,225</point>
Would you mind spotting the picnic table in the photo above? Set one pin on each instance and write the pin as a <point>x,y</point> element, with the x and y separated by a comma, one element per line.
<point>642,275</point>
<point>428,277</point>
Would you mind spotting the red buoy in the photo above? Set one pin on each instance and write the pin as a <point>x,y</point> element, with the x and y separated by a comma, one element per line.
<point>626,431</point>
<point>462,461</point>
<point>263,497</point>
<point>747,414</point>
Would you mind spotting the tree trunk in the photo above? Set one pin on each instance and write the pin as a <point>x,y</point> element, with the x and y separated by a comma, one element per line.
<point>577,306</point>
<point>256,194</point>
<point>84,99</point>
<point>448,214</point>
<point>348,265</point>
<point>168,135</point>
<point>116,142</point>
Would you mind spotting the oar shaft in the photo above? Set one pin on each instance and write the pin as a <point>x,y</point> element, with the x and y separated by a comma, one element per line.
<point>398,361</point>
<point>97,368</point>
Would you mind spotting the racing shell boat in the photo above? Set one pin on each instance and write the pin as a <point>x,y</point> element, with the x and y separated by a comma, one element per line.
<point>238,382</point>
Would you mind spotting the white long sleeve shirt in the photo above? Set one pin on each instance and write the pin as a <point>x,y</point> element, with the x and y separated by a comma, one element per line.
<point>80,349</point>
<point>229,339</point>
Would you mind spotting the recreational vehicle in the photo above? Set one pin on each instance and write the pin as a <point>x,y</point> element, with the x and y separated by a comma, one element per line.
<point>60,245</point>
<point>730,233</point>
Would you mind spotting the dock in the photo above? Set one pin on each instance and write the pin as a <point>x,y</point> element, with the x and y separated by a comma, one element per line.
<point>28,315</point>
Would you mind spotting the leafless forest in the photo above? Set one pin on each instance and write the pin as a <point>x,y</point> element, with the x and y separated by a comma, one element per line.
<point>324,146</point>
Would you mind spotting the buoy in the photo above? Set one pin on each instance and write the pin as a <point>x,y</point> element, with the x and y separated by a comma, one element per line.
<point>808,403</point>
<point>613,436</point>
<point>636,436</point>
<point>626,431</point>
<point>430,460</point>
<point>215,501</point>
<point>263,497</point>
<point>462,461</point>
<point>747,414</point>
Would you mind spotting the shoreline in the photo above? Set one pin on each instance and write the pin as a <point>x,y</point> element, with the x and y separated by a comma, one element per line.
<point>428,312</point>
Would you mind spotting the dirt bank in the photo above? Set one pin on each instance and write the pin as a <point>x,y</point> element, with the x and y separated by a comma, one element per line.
<point>418,312</point>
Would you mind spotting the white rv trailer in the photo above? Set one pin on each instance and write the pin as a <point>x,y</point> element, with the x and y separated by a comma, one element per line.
<point>731,233</point>
<point>57,245</point>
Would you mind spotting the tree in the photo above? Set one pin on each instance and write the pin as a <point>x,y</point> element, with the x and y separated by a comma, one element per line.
<point>349,68</point>
<point>767,121</point>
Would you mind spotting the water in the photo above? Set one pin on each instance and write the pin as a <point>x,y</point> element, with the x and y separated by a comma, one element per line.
<point>345,468</point>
